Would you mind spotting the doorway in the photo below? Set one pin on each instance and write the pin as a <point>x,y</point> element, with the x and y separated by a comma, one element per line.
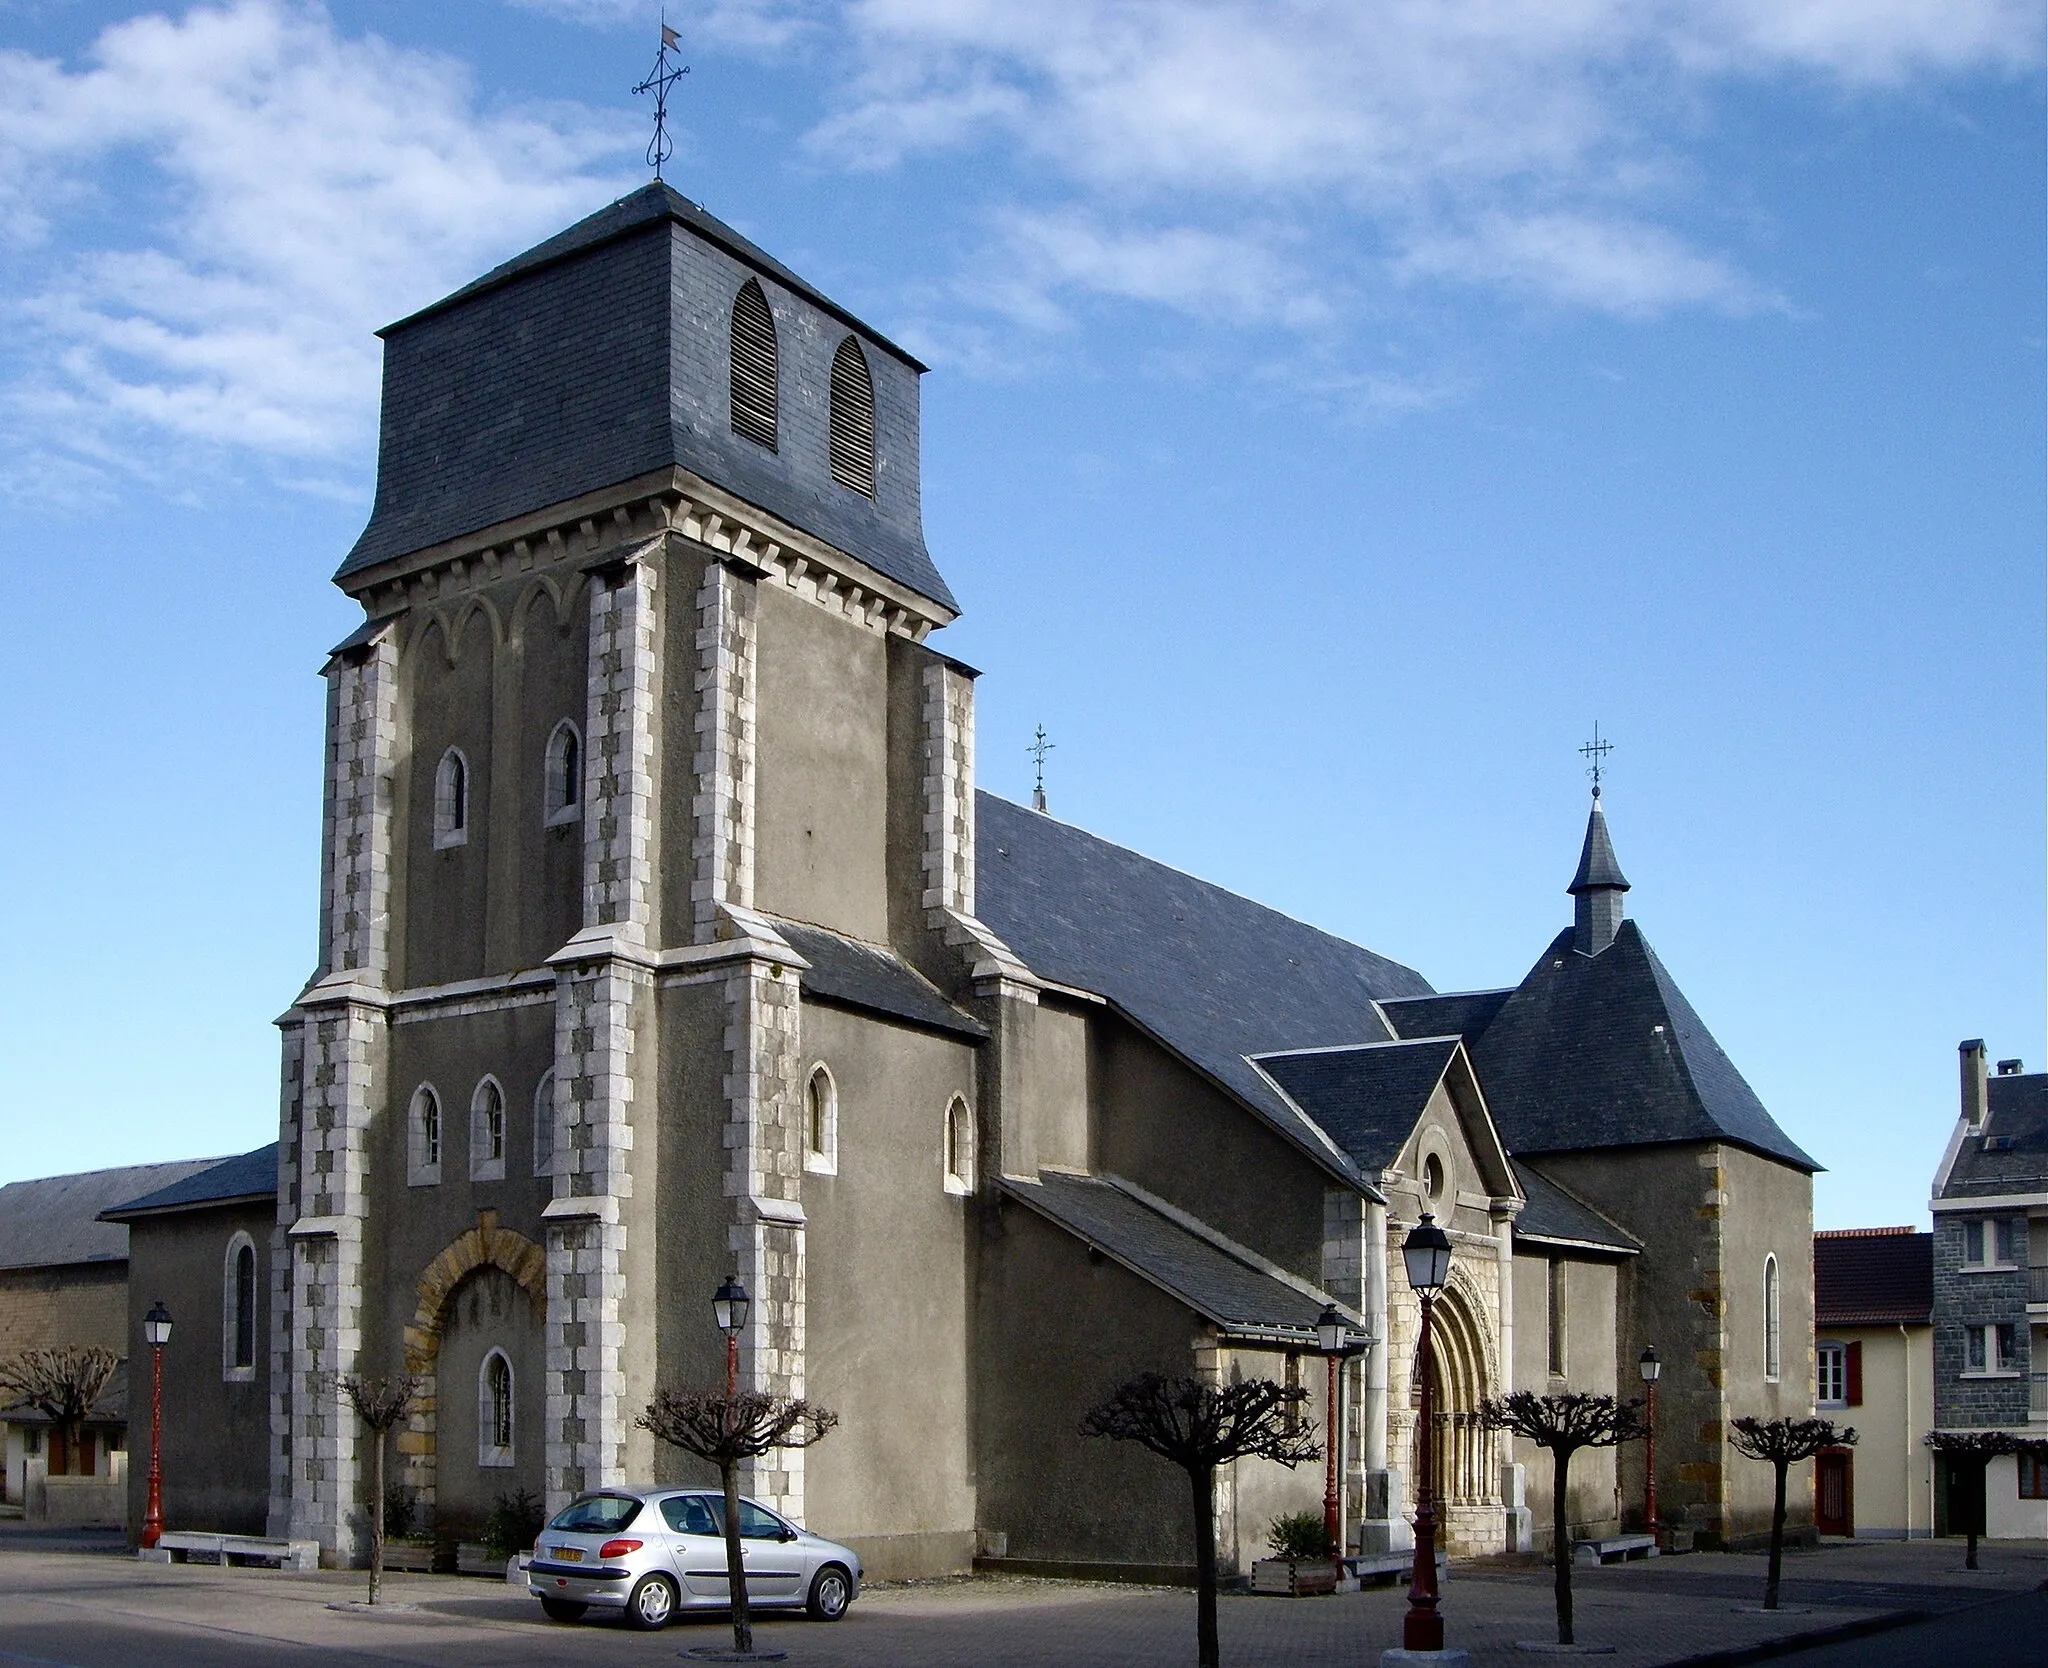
<point>1833,1492</point>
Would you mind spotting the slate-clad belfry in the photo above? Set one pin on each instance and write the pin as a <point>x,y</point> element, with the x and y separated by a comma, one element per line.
<point>665,936</point>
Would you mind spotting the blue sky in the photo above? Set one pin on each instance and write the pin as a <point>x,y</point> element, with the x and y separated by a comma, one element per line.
<point>1335,410</point>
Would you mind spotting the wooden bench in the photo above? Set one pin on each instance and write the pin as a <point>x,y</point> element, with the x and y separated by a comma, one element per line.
<point>186,1546</point>
<point>1615,1550</point>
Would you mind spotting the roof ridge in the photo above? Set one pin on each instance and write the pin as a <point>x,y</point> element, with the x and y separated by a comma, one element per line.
<point>1864,1233</point>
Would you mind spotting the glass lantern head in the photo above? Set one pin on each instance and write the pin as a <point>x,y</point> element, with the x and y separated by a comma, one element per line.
<point>1649,1366</point>
<point>156,1325</point>
<point>730,1304</point>
<point>1427,1252</point>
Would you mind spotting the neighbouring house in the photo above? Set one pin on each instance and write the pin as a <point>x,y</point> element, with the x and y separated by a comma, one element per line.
<point>1873,1366</point>
<point>1991,1291</point>
<point>64,1284</point>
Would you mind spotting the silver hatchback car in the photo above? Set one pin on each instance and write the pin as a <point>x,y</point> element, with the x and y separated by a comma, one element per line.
<point>653,1551</point>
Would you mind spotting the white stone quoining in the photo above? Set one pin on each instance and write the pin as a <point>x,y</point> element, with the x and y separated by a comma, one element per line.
<point>620,824</point>
<point>722,806</point>
<point>362,740</point>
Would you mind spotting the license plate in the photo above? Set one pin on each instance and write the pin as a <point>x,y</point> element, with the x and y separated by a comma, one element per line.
<point>569,1554</point>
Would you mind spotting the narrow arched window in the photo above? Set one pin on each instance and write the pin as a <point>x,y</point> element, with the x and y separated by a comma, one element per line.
<point>238,1312</point>
<point>564,774</point>
<point>753,367</point>
<point>853,419</point>
<point>451,799</point>
<point>959,1147</point>
<point>1773,1335</point>
<point>487,1132</point>
<point>544,1126</point>
<point>821,1122</point>
<point>494,1411</point>
<point>423,1125</point>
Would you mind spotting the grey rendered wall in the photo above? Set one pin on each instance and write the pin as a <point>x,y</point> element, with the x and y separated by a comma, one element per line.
<point>1163,1127</point>
<point>822,810</point>
<point>888,1320</point>
<point>1767,1211</point>
<point>216,1457</point>
<point>489,1310</point>
<point>1590,1291</point>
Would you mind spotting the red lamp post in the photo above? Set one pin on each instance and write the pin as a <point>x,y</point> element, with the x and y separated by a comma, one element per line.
<point>156,1332</point>
<point>1427,1252</point>
<point>1333,1339</point>
<point>730,1304</point>
<point>1649,1366</point>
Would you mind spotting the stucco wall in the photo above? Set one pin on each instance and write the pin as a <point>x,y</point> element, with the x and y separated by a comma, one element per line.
<point>216,1463</point>
<point>488,1311</point>
<point>889,1292</point>
<point>1891,1469</point>
<point>1590,1295</point>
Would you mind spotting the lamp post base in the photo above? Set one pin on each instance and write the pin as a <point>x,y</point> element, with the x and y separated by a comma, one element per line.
<point>1396,1657</point>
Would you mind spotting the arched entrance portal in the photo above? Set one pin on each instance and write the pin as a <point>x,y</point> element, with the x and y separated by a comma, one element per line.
<point>476,1344</point>
<point>1463,1450</point>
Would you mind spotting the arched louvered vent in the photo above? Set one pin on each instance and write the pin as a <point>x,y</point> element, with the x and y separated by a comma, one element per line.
<point>753,367</point>
<point>853,419</point>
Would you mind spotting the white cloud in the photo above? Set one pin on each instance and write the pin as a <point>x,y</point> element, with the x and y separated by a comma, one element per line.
<point>211,216</point>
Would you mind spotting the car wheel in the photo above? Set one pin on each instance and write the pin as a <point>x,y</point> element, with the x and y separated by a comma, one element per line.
<point>831,1593</point>
<point>652,1603</point>
<point>563,1610</point>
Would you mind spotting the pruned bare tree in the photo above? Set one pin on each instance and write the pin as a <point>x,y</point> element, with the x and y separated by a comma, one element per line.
<point>1564,1423</point>
<point>380,1404</point>
<point>64,1385</point>
<point>1783,1443</point>
<point>1198,1425</point>
<point>1970,1453</point>
<point>726,1430</point>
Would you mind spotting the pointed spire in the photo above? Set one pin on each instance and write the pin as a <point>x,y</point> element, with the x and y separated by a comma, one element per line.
<point>1597,887</point>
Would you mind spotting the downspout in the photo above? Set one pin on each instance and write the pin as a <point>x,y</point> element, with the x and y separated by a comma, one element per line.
<point>1906,1424</point>
<point>1375,1408</point>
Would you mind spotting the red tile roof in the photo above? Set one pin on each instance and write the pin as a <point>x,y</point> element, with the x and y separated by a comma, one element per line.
<point>1873,1277</point>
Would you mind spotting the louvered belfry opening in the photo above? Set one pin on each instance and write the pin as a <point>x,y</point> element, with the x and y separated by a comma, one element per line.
<point>753,367</point>
<point>853,419</point>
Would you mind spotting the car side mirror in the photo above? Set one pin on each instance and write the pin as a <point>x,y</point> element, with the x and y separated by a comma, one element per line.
<point>788,1534</point>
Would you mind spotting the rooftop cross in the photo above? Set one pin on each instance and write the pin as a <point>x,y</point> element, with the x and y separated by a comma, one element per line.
<point>663,76</point>
<point>1038,749</point>
<point>1597,751</point>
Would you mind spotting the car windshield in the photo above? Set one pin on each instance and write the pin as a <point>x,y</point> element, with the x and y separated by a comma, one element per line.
<point>597,1514</point>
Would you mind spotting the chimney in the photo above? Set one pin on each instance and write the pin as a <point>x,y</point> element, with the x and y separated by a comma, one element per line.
<point>2011,1068</point>
<point>1976,1095</point>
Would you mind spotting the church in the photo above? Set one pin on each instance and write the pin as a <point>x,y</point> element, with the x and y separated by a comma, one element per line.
<point>665,936</point>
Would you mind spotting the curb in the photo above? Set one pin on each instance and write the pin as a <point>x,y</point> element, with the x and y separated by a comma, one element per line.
<point>1813,1639</point>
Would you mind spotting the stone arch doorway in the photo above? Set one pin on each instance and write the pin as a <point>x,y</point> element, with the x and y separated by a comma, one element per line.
<point>1463,1450</point>
<point>483,1298</point>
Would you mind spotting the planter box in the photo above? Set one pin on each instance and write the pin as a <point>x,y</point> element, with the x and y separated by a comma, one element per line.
<point>414,1557</point>
<point>1294,1579</point>
<point>475,1558</point>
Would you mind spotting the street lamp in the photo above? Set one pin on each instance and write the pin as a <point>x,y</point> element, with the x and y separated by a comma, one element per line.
<point>156,1332</point>
<point>729,1304</point>
<point>1427,1252</point>
<point>1332,1334</point>
<point>1650,1367</point>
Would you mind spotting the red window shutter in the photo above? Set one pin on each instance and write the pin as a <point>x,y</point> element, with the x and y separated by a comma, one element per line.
<point>1854,1375</point>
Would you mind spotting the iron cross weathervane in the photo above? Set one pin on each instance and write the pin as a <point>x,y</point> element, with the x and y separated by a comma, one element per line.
<point>663,76</point>
<point>1597,751</point>
<point>1038,749</point>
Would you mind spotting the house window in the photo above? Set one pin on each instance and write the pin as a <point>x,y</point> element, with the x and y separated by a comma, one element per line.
<point>238,1311</point>
<point>853,419</point>
<point>1553,1316</point>
<point>1991,1350</point>
<point>753,367</point>
<point>1773,1334</point>
<point>564,775</point>
<point>959,1147</point>
<point>1987,1243</point>
<point>494,1411</point>
<point>1433,1178</point>
<point>821,1123</point>
<point>423,1164</point>
<point>2033,1464</point>
<point>487,1132</point>
<point>451,800</point>
<point>544,1126</point>
<point>1831,1375</point>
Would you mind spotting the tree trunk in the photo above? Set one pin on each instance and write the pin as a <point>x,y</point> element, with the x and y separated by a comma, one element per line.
<point>1777,1536</point>
<point>376,1516</point>
<point>1208,1654</point>
<point>1561,1532</point>
<point>1979,1489</point>
<point>735,1564</point>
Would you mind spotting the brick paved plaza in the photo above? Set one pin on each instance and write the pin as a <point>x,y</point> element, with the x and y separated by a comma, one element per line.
<point>71,1609</point>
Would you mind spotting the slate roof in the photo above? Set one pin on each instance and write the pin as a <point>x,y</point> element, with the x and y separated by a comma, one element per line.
<point>1368,1097</point>
<point>858,975</point>
<point>1605,1051</point>
<point>250,1175</point>
<point>1873,1277</point>
<point>1598,866</point>
<point>1212,975</point>
<point>54,1221</point>
<point>2011,1156</point>
<point>1228,1290</point>
<point>1463,1013</point>
<point>1555,1215</point>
